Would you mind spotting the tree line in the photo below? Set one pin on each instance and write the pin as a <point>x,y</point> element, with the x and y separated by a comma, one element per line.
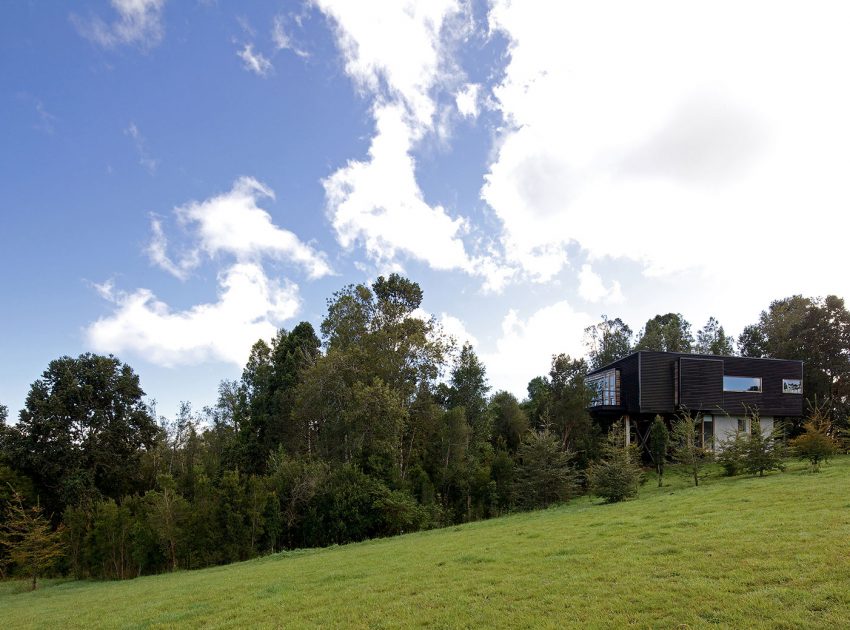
<point>377,425</point>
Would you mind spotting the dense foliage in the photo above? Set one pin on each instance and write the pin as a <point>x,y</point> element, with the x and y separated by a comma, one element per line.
<point>377,425</point>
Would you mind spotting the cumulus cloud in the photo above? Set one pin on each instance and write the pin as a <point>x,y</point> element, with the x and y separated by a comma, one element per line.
<point>592,289</point>
<point>525,348</point>
<point>233,223</point>
<point>255,62</point>
<point>250,306</point>
<point>138,22</point>
<point>379,203</point>
<point>646,139</point>
<point>396,53</point>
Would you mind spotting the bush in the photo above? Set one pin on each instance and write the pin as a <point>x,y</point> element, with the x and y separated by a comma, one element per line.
<point>617,476</point>
<point>764,451</point>
<point>731,453</point>
<point>816,442</point>
<point>544,473</point>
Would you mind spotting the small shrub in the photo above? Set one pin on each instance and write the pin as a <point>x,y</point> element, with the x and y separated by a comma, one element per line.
<point>617,476</point>
<point>686,448</point>
<point>659,443</point>
<point>816,442</point>
<point>731,452</point>
<point>764,451</point>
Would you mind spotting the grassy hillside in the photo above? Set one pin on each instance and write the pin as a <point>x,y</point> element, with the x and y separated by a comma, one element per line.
<point>771,552</point>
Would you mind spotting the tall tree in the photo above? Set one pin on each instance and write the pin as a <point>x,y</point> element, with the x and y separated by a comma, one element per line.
<point>544,474</point>
<point>82,431</point>
<point>815,331</point>
<point>666,333</point>
<point>509,421</point>
<point>570,400</point>
<point>607,341</point>
<point>712,339</point>
<point>468,389</point>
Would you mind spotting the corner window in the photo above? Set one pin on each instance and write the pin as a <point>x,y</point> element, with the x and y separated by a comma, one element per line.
<point>741,384</point>
<point>792,386</point>
<point>604,388</point>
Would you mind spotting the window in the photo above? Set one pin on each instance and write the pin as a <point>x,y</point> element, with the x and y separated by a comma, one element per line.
<point>741,384</point>
<point>604,388</point>
<point>792,386</point>
<point>708,433</point>
<point>744,425</point>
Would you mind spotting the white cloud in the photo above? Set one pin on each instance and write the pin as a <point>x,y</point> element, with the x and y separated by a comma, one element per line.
<point>676,138</point>
<point>138,22</point>
<point>525,348</point>
<point>466,100</point>
<point>394,48</point>
<point>454,327</point>
<point>255,62</point>
<point>233,223</point>
<point>158,253</point>
<point>379,203</point>
<point>145,160</point>
<point>396,52</point>
<point>592,289</point>
<point>250,306</point>
<point>282,40</point>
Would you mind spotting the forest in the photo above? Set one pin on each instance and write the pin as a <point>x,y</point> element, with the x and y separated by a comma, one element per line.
<point>375,425</point>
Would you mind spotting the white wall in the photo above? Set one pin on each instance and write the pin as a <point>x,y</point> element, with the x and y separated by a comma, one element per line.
<point>726,426</point>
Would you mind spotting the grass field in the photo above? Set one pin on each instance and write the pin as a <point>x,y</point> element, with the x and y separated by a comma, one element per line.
<point>742,552</point>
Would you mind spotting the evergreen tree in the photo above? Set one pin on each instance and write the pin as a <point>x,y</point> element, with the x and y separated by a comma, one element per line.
<point>712,339</point>
<point>816,443</point>
<point>617,475</point>
<point>687,446</point>
<point>28,540</point>
<point>544,474</point>
<point>764,451</point>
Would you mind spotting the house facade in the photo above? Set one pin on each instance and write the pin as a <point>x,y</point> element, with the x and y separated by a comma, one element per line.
<point>721,390</point>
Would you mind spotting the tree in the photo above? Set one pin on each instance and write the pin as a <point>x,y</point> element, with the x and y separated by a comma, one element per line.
<point>167,514</point>
<point>659,443</point>
<point>666,333</point>
<point>570,398</point>
<point>617,475</point>
<point>509,421</point>
<point>544,474</point>
<point>607,341</point>
<point>82,431</point>
<point>815,331</point>
<point>764,451</point>
<point>468,389</point>
<point>687,447</point>
<point>816,443</point>
<point>731,452</point>
<point>712,339</point>
<point>28,540</point>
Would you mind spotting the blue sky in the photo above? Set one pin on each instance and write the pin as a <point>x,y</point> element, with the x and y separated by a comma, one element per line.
<point>182,178</point>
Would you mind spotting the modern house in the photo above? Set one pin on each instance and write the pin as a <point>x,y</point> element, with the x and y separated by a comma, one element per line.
<point>722,390</point>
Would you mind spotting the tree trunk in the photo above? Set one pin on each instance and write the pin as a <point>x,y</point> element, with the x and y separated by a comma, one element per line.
<point>34,577</point>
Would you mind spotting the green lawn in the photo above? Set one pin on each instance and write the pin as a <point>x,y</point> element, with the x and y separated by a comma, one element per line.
<point>742,552</point>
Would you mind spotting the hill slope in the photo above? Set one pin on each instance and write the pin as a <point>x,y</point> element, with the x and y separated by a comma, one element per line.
<point>770,552</point>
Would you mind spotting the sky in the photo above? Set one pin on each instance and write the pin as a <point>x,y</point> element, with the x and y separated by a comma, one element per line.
<point>182,179</point>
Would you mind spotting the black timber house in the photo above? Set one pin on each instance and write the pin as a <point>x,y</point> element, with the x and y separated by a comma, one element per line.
<point>720,389</point>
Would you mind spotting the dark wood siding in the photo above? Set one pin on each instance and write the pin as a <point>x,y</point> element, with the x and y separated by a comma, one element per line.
<point>657,373</point>
<point>700,384</point>
<point>629,392</point>
<point>771,401</point>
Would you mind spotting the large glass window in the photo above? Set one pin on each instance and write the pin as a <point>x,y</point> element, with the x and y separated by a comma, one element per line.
<point>604,388</point>
<point>741,384</point>
<point>792,386</point>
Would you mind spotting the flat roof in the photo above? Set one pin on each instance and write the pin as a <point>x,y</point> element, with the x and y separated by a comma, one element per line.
<point>688,354</point>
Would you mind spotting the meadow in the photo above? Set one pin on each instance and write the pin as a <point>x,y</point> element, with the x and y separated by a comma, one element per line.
<point>770,552</point>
